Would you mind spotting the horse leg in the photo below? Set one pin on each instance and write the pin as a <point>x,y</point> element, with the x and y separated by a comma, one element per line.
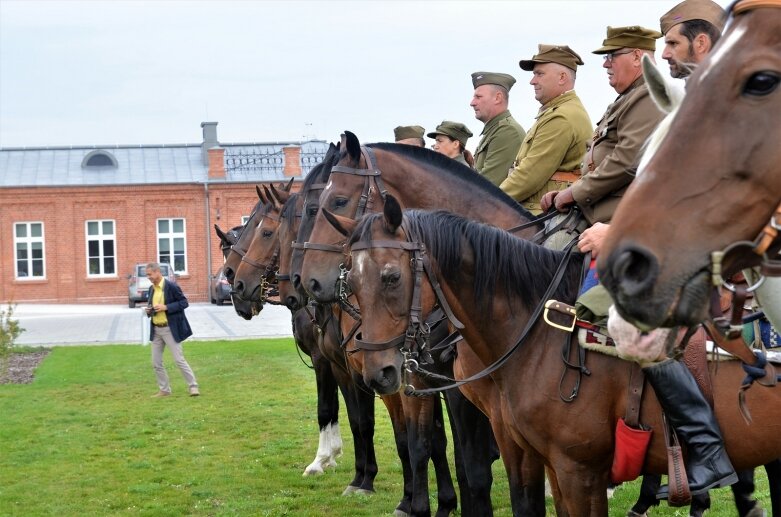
<point>418,415</point>
<point>647,498</point>
<point>330,443</point>
<point>525,475</point>
<point>365,398</point>
<point>446,493</point>
<point>396,413</point>
<point>558,500</point>
<point>364,477</point>
<point>583,488</point>
<point>773,470</point>
<point>699,504</point>
<point>476,447</point>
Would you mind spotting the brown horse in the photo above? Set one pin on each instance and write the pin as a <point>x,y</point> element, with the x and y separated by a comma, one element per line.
<point>711,184</point>
<point>422,178</point>
<point>494,284</point>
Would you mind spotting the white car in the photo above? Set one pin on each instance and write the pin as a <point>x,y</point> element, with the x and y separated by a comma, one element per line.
<point>138,284</point>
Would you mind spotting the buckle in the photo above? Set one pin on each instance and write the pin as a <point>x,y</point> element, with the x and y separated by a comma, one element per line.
<point>561,311</point>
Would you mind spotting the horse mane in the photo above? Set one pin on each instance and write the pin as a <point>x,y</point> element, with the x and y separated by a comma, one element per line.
<point>433,160</point>
<point>501,260</point>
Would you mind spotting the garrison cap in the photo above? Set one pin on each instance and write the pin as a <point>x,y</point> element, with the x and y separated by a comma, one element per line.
<point>560,54</point>
<point>504,80</point>
<point>404,132</point>
<point>628,37</point>
<point>455,130</point>
<point>687,10</point>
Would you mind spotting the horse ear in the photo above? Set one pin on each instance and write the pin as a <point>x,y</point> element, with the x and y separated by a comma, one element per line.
<point>352,145</point>
<point>220,233</point>
<point>392,214</point>
<point>289,185</point>
<point>260,195</point>
<point>666,93</point>
<point>343,225</point>
<point>281,196</point>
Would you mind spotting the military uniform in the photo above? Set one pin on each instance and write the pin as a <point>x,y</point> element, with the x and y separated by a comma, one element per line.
<point>460,159</point>
<point>556,142</point>
<point>501,138</point>
<point>454,131</point>
<point>615,152</point>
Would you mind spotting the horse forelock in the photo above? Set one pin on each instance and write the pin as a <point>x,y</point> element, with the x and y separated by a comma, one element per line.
<point>441,164</point>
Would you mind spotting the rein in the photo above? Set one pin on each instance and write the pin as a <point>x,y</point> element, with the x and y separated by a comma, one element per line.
<point>417,330</point>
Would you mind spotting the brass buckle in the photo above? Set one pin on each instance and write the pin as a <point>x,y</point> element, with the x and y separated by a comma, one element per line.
<point>560,308</point>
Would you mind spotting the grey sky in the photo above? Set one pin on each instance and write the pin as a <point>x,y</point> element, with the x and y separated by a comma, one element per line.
<point>131,72</point>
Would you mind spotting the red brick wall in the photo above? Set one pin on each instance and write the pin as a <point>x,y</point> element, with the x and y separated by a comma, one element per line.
<point>135,210</point>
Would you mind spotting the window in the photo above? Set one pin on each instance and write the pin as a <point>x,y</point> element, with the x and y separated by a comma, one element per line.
<point>101,255</point>
<point>98,160</point>
<point>28,243</point>
<point>171,244</point>
<point>244,219</point>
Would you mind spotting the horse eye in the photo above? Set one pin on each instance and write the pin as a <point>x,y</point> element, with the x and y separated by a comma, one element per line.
<point>267,233</point>
<point>391,279</point>
<point>761,83</point>
<point>340,202</point>
<point>311,211</point>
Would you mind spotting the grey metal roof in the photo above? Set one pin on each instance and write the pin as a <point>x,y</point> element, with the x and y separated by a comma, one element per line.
<point>138,165</point>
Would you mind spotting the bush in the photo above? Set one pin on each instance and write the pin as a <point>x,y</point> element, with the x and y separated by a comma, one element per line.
<point>9,330</point>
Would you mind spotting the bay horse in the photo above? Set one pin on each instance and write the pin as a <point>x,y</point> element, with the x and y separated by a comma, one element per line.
<point>422,178</point>
<point>494,284</point>
<point>418,425</point>
<point>711,184</point>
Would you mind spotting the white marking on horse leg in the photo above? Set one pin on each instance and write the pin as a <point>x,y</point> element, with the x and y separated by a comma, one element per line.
<point>336,440</point>
<point>322,457</point>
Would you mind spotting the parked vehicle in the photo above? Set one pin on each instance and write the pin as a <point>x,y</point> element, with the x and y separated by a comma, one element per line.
<point>219,289</point>
<point>138,284</point>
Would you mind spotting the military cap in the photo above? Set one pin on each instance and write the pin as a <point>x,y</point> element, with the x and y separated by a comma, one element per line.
<point>694,10</point>
<point>455,130</point>
<point>504,80</point>
<point>404,132</point>
<point>560,54</point>
<point>628,37</point>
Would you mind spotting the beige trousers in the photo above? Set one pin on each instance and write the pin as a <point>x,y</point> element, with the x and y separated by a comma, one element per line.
<point>163,337</point>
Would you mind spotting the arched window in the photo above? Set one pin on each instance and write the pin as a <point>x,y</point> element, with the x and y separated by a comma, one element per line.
<point>98,159</point>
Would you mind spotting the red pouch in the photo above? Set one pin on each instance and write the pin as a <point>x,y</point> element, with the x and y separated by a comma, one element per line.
<point>629,454</point>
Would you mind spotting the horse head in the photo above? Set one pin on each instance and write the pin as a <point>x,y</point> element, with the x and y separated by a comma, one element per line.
<point>260,262</point>
<point>349,192</point>
<point>313,187</point>
<point>289,220</point>
<point>237,250</point>
<point>382,280</point>
<point>710,185</point>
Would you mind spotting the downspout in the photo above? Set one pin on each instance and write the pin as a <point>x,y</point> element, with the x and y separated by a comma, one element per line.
<point>208,241</point>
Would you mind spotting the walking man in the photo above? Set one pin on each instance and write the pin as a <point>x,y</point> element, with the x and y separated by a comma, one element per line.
<point>169,327</point>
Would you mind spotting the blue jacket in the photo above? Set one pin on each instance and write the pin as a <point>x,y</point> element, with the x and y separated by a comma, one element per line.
<point>176,303</point>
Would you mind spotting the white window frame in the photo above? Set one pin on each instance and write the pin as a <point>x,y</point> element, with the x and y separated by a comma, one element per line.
<point>29,240</point>
<point>244,219</point>
<point>101,238</point>
<point>170,236</point>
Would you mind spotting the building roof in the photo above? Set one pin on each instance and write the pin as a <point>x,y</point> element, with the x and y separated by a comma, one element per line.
<point>147,164</point>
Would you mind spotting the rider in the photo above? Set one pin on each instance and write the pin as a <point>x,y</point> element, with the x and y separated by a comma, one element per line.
<point>409,135</point>
<point>686,408</point>
<point>551,154</point>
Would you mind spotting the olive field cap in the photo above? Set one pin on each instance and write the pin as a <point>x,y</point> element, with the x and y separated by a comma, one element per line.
<point>454,130</point>
<point>404,132</point>
<point>504,80</point>
<point>694,10</point>
<point>628,37</point>
<point>560,54</point>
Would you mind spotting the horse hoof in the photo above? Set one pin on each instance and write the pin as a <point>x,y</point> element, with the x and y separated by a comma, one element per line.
<point>349,490</point>
<point>400,513</point>
<point>363,491</point>
<point>313,470</point>
<point>757,511</point>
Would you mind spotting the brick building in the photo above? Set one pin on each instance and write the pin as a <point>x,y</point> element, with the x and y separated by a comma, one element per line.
<point>75,220</point>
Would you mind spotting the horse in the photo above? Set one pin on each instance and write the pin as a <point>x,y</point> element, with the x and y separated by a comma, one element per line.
<point>495,284</point>
<point>418,425</point>
<point>424,178</point>
<point>710,184</point>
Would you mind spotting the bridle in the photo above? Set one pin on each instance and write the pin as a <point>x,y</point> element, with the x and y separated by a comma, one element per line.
<point>268,275</point>
<point>412,342</point>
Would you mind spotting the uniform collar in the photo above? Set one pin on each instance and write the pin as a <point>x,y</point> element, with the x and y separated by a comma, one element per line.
<point>495,121</point>
<point>556,101</point>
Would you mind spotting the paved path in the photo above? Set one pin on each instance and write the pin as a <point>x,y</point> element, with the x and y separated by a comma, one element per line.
<point>55,324</point>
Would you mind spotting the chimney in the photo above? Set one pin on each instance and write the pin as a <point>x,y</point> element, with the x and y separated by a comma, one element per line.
<point>292,165</point>
<point>209,140</point>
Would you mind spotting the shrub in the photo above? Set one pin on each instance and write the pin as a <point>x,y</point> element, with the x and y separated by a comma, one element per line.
<point>9,330</point>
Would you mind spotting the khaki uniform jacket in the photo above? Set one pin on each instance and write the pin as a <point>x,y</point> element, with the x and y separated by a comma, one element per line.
<point>556,142</point>
<point>501,138</point>
<point>460,159</point>
<point>615,152</point>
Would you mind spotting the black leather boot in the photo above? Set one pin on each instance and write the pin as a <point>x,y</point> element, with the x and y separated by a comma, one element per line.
<point>707,465</point>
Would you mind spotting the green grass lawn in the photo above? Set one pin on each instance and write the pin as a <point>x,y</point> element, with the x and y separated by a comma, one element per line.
<point>86,439</point>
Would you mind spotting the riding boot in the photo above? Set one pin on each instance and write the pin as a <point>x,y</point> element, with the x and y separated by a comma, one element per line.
<point>708,465</point>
